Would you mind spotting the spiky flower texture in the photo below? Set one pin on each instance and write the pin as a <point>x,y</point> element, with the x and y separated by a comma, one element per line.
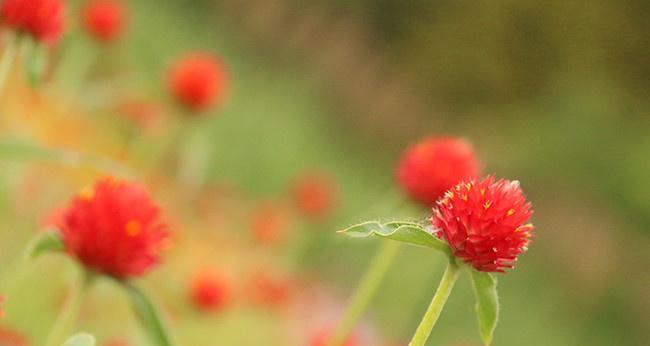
<point>42,19</point>
<point>115,229</point>
<point>434,165</point>
<point>485,223</point>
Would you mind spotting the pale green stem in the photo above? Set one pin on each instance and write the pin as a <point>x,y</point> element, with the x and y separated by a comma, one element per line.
<point>366,290</point>
<point>70,312</point>
<point>437,303</point>
<point>7,59</point>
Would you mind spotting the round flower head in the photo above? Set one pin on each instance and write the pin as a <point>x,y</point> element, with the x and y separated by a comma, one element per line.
<point>42,19</point>
<point>314,195</point>
<point>198,81</point>
<point>209,292</point>
<point>115,229</point>
<point>105,20</point>
<point>269,291</point>
<point>434,165</point>
<point>269,224</point>
<point>485,223</point>
<point>10,337</point>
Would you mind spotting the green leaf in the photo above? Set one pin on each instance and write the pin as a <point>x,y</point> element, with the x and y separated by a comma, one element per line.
<point>487,304</point>
<point>148,315</point>
<point>81,339</point>
<point>403,231</point>
<point>49,241</point>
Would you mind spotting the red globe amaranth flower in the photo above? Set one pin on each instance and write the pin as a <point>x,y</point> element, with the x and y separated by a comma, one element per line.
<point>314,195</point>
<point>198,81</point>
<point>105,20</point>
<point>485,223</point>
<point>269,291</point>
<point>115,228</point>
<point>322,337</point>
<point>141,112</point>
<point>209,292</point>
<point>43,19</point>
<point>269,224</point>
<point>10,337</point>
<point>434,165</point>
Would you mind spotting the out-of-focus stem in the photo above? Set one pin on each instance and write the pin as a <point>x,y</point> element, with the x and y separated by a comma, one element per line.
<point>70,312</point>
<point>7,59</point>
<point>437,303</point>
<point>366,290</point>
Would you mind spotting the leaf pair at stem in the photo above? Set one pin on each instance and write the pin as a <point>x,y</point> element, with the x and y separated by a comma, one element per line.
<point>487,303</point>
<point>142,306</point>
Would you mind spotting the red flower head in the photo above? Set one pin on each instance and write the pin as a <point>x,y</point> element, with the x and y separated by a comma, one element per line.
<point>434,165</point>
<point>269,291</point>
<point>485,223</point>
<point>10,337</point>
<point>198,81</point>
<point>43,19</point>
<point>115,229</point>
<point>105,20</point>
<point>269,224</point>
<point>322,337</point>
<point>314,195</point>
<point>209,292</point>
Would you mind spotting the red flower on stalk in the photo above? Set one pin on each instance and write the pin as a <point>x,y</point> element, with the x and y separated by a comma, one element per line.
<point>485,223</point>
<point>198,81</point>
<point>115,229</point>
<point>105,20</point>
<point>434,165</point>
<point>10,337</point>
<point>314,195</point>
<point>209,292</point>
<point>42,19</point>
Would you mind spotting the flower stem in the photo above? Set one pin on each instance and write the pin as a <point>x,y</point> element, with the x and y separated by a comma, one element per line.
<point>437,303</point>
<point>365,291</point>
<point>68,315</point>
<point>7,60</point>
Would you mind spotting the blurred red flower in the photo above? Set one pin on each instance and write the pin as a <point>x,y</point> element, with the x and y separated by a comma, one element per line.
<point>42,19</point>
<point>269,223</point>
<point>485,223</point>
<point>209,292</point>
<point>314,195</point>
<point>115,228</point>
<point>198,81</point>
<point>116,342</point>
<point>141,112</point>
<point>322,337</point>
<point>105,20</point>
<point>10,337</point>
<point>434,165</point>
<point>270,291</point>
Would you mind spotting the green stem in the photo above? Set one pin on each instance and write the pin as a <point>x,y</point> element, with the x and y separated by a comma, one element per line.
<point>437,303</point>
<point>365,291</point>
<point>70,312</point>
<point>7,60</point>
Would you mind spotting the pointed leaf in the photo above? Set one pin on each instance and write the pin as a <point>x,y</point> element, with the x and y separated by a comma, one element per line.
<point>487,304</point>
<point>148,315</point>
<point>81,339</point>
<point>49,241</point>
<point>403,231</point>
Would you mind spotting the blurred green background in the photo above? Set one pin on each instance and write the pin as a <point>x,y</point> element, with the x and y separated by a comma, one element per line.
<point>552,93</point>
